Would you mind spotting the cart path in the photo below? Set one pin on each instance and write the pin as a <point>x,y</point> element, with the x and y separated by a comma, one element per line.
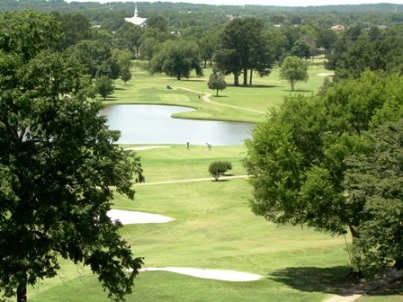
<point>189,180</point>
<point>206,98</point>
<point>360,290</point>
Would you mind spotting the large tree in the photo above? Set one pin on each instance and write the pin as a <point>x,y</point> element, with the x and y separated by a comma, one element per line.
<point>59,165</point>
<point>297,158</point>
<point>96,56</point>
<point>177,58</point>
<point>243,48</point>
<point>375,176</point>
<point>129,37</point>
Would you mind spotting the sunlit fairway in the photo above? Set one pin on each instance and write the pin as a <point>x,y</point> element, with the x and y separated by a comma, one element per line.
<point>213,227</point>
<point>266,92</point>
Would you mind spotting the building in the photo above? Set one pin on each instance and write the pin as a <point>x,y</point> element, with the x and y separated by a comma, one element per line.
<point>136,20</point>
<point>338,27</point>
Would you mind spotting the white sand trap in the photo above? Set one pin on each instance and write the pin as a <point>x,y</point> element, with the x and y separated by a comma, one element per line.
<point>224,275</point>
<point>132,217</point>
<point>147,148</point>
<point>325,74</point>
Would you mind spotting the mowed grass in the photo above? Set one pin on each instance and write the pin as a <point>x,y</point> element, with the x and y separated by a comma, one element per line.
<point>265,93</point>
<point>214,227</point>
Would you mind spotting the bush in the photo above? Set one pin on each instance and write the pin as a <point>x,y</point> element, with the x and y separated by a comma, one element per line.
<point>218,168</point>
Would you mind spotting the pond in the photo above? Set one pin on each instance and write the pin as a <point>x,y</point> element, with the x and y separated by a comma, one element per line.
<point>153,124</point>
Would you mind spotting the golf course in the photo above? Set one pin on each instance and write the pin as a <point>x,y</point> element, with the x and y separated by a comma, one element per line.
<point>212,227</point>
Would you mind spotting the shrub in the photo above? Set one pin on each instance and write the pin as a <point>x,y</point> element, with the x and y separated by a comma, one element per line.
<point>218,168</point>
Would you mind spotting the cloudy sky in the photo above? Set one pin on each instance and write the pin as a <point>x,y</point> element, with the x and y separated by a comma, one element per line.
<point>266,2</point>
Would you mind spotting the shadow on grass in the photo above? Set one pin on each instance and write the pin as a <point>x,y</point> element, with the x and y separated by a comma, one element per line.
<point>253,86</point>
<point>337,281</point>
<point>298,90</point>
<point>329,280</point>
<point>393,288</point>
<point>192,80</point>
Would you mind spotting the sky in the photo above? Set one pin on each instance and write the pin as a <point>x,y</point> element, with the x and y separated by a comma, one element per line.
<point>265,2</point>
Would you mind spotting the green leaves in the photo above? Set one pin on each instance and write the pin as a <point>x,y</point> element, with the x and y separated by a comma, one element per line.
<point>216,82</point>
<point>294,69</point>
<point>59,167</point>
<point>177,58</point>
<point>218,168</point>
<point>320,162</point>
<point>375,176</point>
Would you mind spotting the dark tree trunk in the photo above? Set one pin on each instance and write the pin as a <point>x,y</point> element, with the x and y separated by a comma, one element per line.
<point>353,274</point>
<point>250,76</point>
<point>245,77</point>
<point>22,292</point>
<point>236,80</point>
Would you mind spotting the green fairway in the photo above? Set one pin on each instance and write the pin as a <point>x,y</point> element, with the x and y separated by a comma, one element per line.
<point>215,229</point>
<point>213,226</point>
<point>235,103</point>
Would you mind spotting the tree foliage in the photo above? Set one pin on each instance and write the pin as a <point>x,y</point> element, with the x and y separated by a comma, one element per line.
<point>104,86</point>
<point>218,168</point>
<point>294,69</point>
<point>297,158</point>
<point>96,56</point>
<point>177,58</point>
<point>216,81</point>
<point>59,165</point>
<point>243,48</point>
<point>375,176</point>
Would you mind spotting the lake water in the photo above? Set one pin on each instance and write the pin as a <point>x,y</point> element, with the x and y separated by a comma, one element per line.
<point>152,124</point>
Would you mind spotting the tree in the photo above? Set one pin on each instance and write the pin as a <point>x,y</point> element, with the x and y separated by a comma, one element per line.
<point>97,57</point>
<point>326,38</point>
<point>124,59</point>
<point>218,168</point>
<point>129,37</point>
<point>297,158</point>
<point>177,58</point>
<point>243,48</point>
<point>76,27</point>
<point>301,49</point>
<point>376,177</point>
<point>208,44</point>
<point>277,43</point>
<point>125,74</point>
<point>59,165</point>
<point>216,82</point>
<point>104,86</point>
<point>294,69</point>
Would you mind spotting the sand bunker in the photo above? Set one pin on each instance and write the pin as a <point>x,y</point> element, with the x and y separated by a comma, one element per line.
<point>224,275</point>
<point>132,217</point>
<point>325,74</point>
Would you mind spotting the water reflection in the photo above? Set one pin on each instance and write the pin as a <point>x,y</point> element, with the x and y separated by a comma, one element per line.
<point>152,124</point>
